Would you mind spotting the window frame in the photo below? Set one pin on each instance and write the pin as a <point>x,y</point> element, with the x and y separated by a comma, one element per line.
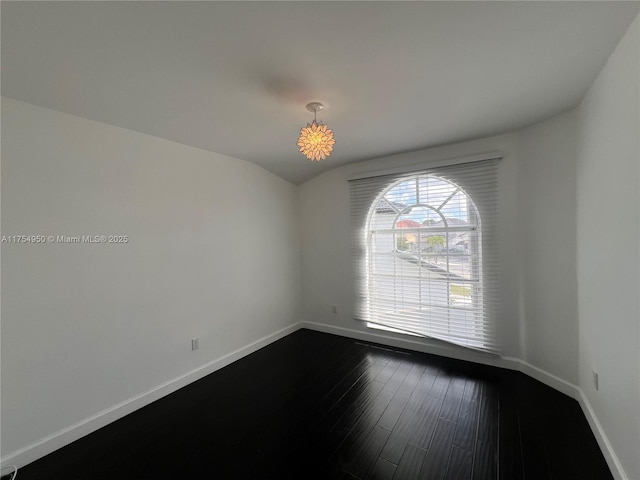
<point>475,253</point>
<point>477,176</point>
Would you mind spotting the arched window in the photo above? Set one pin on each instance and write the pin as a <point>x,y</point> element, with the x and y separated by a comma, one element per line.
<point>426,269</point>
<point>425,259</point>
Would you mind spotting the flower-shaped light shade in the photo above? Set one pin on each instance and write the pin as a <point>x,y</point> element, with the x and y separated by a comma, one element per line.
<point>316,140</point>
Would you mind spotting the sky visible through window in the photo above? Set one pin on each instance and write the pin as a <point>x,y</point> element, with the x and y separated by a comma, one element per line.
<point>434,192</point>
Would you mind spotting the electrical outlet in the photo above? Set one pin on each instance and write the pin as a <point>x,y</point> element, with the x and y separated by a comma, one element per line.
<point>334,308</point>
<point>595,380</point>
<point>195,343</point>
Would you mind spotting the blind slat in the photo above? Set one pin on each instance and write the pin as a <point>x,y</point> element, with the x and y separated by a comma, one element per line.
<point>425,252</point>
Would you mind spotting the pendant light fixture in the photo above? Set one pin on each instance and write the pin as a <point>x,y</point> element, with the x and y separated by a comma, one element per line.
<point>316,139</point>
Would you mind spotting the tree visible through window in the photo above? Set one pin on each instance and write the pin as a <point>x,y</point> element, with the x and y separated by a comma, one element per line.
<point>424,261</point>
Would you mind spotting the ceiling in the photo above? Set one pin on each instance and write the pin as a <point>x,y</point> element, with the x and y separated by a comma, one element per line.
<point>234,77</point>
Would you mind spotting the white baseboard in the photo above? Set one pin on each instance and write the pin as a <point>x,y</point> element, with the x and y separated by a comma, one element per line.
<point>442,349</point>
<point>67,435</point>
<point>545,377</point>
<point>607,450</point>
<point>511,363</point>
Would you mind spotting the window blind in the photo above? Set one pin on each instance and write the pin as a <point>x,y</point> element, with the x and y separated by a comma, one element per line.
<point>425,252</point>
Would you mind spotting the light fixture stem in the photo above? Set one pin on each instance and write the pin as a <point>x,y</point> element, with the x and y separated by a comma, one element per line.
<point>315,107</point>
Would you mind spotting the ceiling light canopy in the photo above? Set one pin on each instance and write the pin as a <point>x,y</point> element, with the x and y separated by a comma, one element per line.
<point>316,139</point>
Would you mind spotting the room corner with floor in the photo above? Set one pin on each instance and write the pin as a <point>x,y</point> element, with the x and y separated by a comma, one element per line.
<point>448,290</point>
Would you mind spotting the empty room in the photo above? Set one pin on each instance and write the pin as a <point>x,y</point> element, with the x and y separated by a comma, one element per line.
<point>320,240</point>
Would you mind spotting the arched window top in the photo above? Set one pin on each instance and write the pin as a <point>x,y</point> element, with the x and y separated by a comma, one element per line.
<point>427,201</point>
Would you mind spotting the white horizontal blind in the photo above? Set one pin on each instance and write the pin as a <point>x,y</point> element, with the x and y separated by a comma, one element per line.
<point>425,252</point>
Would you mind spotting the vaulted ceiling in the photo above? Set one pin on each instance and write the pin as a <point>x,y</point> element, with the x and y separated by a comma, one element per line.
<point>234,77</point>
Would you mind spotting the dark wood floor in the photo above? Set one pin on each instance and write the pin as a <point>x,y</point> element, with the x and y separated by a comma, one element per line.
<point>318,406</point>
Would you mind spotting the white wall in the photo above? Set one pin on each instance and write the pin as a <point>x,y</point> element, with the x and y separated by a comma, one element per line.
<point>547,216</point>
<point>538,321</point>
<point>87,326</point>
<point>608,235</point>
<point>326,241</point>
<point>213,253</point>
<point>570,293</point>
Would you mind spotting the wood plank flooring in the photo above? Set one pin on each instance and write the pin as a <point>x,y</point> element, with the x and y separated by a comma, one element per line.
<point>318,406</point>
